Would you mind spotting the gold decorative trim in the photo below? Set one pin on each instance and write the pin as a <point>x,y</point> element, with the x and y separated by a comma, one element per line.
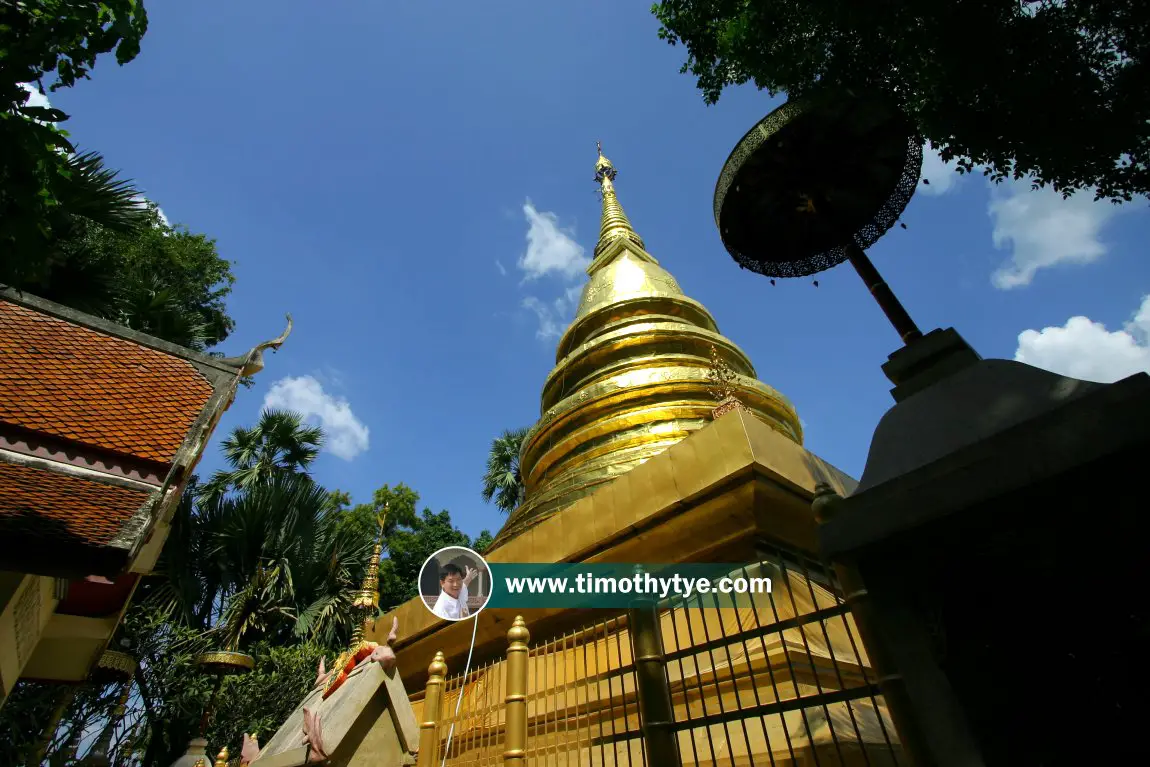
<point>226,661</point>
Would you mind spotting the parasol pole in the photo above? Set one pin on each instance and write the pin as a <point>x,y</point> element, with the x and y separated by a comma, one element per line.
<point>887,301</point>
<point>895,312</point>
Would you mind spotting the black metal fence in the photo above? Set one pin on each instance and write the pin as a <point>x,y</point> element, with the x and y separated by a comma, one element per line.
<point>777,679</point>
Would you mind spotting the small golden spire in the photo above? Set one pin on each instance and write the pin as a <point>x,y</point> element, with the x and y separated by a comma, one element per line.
<point>222,757</point>
<point>368,595</point>
<point>367,598</point>
<point>614,223</point>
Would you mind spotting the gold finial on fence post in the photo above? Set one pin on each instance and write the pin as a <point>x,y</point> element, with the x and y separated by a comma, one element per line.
<point>429,727</point>
<point>515,752</point>
<point>222,757</point>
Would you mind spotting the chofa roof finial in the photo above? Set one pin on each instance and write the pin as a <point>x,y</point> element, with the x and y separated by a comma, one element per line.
<point>253,362</point>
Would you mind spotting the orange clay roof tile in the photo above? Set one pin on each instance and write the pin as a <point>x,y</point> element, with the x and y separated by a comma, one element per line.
<point>46,504</point>
<point>76,383</point>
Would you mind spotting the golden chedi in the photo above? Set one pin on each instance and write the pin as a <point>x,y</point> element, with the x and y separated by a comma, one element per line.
<point>633,375</point>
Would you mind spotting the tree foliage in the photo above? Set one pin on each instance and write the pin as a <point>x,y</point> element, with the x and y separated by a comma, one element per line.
<point>502,479</point>
<point>44,183</point>
<point>158,279</point>
<point>410,537</point>
<point>483,541</point>
<point>280,443</point>
<point>22,718</point>
<point>273,562</point>
<point>65,37</point>
<point>269,566</point>
<point>408,547</point>
<point>167,699</point>
<point>1055,89</point>
<point>71,230</point>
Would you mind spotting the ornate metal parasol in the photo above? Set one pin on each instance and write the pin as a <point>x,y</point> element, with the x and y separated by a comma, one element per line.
<point>225,662</point>
<point>816,182</point>
<point>115,667</point>
<point>221,663</point>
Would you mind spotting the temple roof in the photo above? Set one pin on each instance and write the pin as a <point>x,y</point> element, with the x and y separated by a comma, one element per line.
<point>72,382</point>
<point>40,503</point>
<point>632,375</point>
<point>100,427</point>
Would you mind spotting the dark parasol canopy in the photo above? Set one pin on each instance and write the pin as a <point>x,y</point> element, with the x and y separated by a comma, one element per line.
<point>814,183</point>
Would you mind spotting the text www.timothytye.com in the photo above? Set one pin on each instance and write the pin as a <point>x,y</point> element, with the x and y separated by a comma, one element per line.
<point>639,583</point>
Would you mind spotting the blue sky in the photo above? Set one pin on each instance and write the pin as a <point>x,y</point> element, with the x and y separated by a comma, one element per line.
<point>413,182</point>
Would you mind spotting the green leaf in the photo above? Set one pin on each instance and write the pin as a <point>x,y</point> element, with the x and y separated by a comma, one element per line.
<point>43,114</point>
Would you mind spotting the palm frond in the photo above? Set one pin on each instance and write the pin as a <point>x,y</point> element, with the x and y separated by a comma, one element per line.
<point>502,480</point>
<point>90,190</point>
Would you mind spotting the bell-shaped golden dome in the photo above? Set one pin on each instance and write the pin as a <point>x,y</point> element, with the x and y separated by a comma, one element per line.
<point>633,375</point>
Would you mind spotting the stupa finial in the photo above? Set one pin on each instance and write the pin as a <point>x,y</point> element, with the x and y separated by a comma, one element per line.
<point>614,224</point>
<point>604,171</point>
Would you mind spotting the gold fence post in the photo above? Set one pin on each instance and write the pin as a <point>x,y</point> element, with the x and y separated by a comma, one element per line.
<point>429,727</point>
<point>657,713</point>
<point>515,744</point>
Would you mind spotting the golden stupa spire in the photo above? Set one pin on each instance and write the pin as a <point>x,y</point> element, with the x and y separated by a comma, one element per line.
<point>367,598</point>
<point>614,223</point>
<point>639,369</point>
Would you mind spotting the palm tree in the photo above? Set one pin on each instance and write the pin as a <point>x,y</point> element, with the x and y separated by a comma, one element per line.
<point>46,190</point>
<point>94,192</point>
<point>187,581</point>
<point>280,443</point>
<point>146,304</point>
<point>502,480</point>
<point>269,561</point>
<point>290,568</point>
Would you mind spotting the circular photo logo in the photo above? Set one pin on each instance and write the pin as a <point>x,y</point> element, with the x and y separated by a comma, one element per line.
<point>455,583</point>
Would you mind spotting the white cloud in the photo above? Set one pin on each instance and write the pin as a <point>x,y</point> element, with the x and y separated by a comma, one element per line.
<point>571,298</point>
<point>502,269</point>
<point>38,99</point>
<point>1042,230</point>
<point>549,248</point>
<point>1086,350</point>
<point>942,175</point>
<point>160,211</point>
<point>554,316</point>
<point>35,98</point>
<point>548,323</point>
<point>347,436</point>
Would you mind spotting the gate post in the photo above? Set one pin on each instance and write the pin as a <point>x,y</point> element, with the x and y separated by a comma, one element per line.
<point>515,753</point>
<point>429,727</point>
<point>890,681</point>
<point>656,711</point>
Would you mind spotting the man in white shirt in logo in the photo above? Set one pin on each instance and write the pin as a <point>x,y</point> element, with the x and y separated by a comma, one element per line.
<point>452,602</point>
